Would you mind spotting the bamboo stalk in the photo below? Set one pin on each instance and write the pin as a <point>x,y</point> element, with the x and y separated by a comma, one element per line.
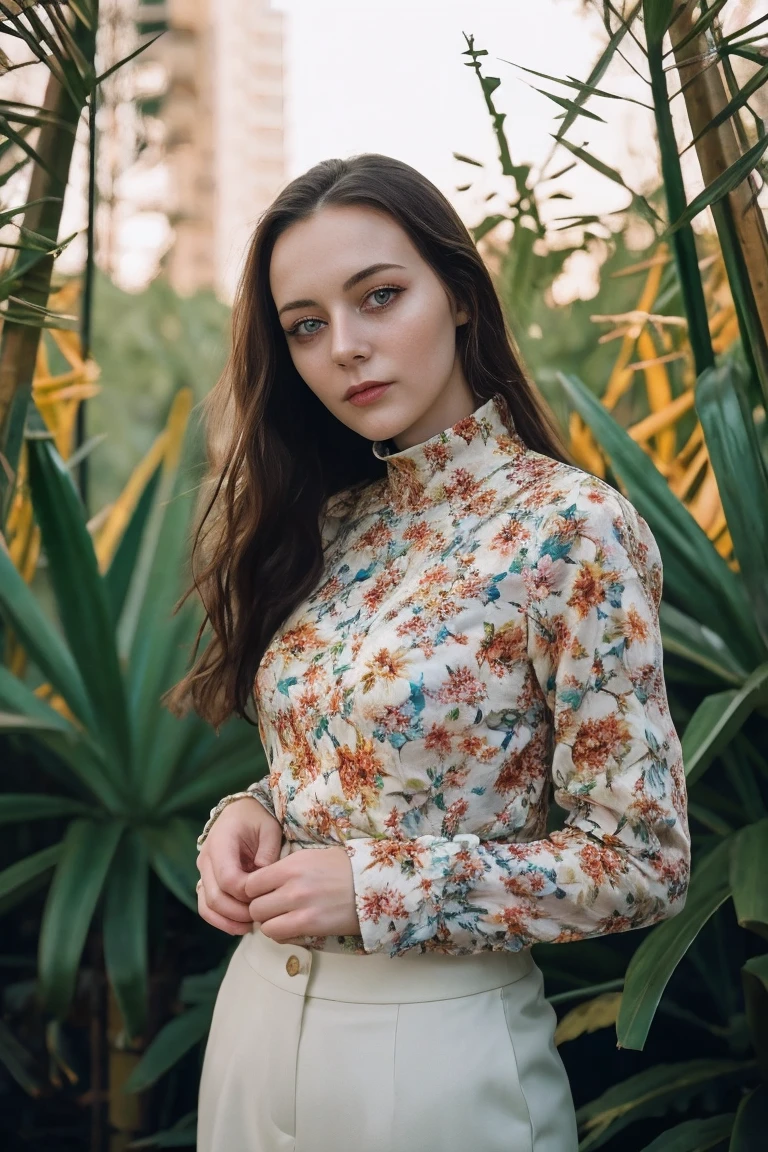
<point>717,149</point>
<point>683,242</point>
<point>19,342</point>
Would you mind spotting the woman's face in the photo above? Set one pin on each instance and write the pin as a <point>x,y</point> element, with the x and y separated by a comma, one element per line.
<point>396,324</point>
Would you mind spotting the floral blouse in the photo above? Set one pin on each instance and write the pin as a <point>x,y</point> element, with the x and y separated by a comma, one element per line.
<point>485,631</point>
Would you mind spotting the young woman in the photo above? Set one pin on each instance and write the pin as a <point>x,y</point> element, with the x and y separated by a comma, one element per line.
<point>443,625</point>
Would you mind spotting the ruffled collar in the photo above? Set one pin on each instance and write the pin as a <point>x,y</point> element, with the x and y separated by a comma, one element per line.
<point>454,464</point>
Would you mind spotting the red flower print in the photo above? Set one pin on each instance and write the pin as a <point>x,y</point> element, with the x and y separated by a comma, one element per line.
<point>468,429</point>
<point>437,455</point>
<point>377,536</point>
<point>302,639</point>
<point>438,740</point>
<point>589,588</point>
<point>384,666</point>
<point>633,626</point>
<point>523,766</point>
<point>462,687</point>
<point>418,534</point>
<point>389,579</point>
<point>540,581</point>
<point>390,903</point>
<point>600,741</point>
<point>503,647</point>
<point>453,816</point>
<point>358,770</point>
<point>513,919</point>
<point>510,537</point>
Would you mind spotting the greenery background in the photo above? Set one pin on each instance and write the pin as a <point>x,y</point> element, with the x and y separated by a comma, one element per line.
<point>108,975</point>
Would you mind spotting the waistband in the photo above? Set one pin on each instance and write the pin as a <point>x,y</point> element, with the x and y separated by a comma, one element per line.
<point>381,979</point>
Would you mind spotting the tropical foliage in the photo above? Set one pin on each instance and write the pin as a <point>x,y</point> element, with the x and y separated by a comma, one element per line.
<point>661,383</point>
<point>104,791</point>
<point>691,384</point>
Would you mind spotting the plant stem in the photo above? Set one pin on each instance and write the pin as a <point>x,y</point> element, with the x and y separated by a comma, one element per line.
<point>19,342</point>
<point>683,241</point>
<point>738,218</point>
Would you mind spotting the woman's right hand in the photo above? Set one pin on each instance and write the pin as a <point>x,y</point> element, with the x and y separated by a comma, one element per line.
<point>244,836</point>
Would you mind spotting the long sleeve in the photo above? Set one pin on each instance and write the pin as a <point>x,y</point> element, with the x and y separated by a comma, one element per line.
<point>262,792</point>
<point>330,520</point>
<point>259,791</point>
<point>590,591</point>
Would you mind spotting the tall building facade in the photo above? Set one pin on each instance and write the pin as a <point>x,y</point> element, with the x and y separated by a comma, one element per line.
<point>223,111</point>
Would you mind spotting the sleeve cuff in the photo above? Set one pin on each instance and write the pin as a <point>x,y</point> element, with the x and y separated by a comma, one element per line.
<point>401,888</point>
<point>258,791</point>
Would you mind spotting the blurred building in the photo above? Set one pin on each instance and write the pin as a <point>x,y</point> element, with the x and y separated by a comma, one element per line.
<point>222,111</point>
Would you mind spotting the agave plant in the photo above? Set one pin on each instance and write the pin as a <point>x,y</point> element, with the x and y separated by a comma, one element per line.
<point>132,780</point>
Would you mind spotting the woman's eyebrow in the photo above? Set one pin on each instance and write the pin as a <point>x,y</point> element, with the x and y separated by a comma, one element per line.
<point>350,283</point>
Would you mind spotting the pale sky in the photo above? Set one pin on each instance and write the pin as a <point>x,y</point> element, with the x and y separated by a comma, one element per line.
<point>388,76</point>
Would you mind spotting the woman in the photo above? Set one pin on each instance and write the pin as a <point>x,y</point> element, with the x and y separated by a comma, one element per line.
<point>440,620</point>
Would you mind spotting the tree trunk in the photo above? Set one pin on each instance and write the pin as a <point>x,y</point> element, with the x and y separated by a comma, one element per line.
<point>705,96</point>
<point>19,343</point>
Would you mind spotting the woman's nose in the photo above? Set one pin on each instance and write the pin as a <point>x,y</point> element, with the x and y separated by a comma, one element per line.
<point>348,341</point>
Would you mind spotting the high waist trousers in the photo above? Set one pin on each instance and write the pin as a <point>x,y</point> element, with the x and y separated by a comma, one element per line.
<point>327,1052</point>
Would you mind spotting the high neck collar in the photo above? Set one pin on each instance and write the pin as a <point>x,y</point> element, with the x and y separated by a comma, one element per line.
<point>452,464</point>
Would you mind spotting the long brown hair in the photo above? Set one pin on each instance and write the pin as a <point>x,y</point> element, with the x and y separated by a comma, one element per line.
<point>275,452</point>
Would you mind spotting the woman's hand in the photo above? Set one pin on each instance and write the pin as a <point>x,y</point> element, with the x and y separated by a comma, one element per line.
<point>243,837</point>
<point>308,893</point>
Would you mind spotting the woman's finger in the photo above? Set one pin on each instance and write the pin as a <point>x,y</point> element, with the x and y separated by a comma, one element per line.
<point>232,927</point>
<point>284,929</point>
<point>227,869</point>
<point>272,904</point>
<point>219,901</point>
<point>270,843</point>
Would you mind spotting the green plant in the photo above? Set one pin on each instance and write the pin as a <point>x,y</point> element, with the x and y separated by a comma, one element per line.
<point>714,615</point>
<point>132,781</point>
<point>725,728</point>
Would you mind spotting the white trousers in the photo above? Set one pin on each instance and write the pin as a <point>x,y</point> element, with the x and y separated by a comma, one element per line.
<point>331,1052</point>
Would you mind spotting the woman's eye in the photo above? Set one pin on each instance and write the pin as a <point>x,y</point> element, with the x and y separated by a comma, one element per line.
<point>296,330</point>
<point>376,291</point>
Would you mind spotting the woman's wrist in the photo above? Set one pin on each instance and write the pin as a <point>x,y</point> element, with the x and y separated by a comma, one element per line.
<point>222,804</point>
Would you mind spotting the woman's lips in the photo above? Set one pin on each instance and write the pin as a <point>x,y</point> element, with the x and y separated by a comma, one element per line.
<point>369,395</point>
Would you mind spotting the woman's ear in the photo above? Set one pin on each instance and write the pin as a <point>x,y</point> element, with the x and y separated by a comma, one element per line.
<point>462,315</point>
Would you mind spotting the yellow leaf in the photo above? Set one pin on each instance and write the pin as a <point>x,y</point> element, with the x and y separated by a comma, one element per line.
<point>705,506</point>
<point>57,702</point>
<point>659,393</point>
<point>662,418</point>
<point>166,448</point>
<point>45,383</point>
<point>727,335</point>
<point>590,1016</point>
<point>584,446</point>
<point>69,345</point>
<point>78,390</point>
<point>682,486</point>
<point>620,380</point>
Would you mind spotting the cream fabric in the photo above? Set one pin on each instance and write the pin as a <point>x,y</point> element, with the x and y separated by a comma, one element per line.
<point>419,1053</point>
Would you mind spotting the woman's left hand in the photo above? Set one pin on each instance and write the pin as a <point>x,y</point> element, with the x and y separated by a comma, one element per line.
<point>307,893</point>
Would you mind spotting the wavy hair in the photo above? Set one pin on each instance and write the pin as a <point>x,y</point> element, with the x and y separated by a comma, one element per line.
<point>276,454</point>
